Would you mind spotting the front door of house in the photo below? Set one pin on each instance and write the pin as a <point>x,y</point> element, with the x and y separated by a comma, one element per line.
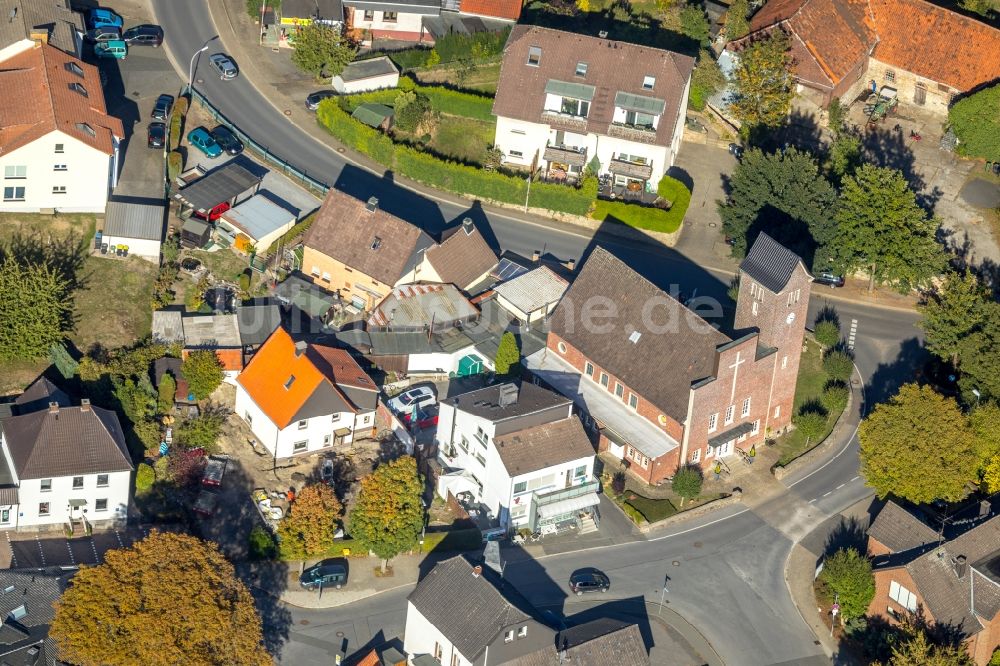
<point>920,94</point>
<point>725,449</point>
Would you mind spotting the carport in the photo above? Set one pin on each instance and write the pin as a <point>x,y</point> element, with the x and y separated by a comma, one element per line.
<point>227,186</point>
<point>137,226</point>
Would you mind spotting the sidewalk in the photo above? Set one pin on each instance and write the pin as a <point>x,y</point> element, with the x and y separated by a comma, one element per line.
<point>362,583</point>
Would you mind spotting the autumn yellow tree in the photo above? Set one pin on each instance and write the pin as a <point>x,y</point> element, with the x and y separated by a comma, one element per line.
<point>170,599</point>
<point>310,527</point>
<point>389,515</point>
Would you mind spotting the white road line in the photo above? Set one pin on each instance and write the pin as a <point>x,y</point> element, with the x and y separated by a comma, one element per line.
<point>93,546</point>
<point>72,560</point>
<point>812,500</point>
<point>40,551</point>
<point>841,486</point>
<point>118,535</point>
<point>827,493</point>
<point>855,478</point>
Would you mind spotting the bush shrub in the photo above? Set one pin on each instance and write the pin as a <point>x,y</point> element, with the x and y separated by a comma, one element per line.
<point>448,49</point>
<point>838,366</point>
<point>175,163</point>
<point>648,217</point>
<point>835,395</point>
<point>618,483</point>
<point>144,478</point>
<point>827,333</point>
<point>810,421</point>
<point>633,513</point>
<point>261,544</point>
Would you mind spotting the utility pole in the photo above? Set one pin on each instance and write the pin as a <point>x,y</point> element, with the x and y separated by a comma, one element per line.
<point>663,594</point>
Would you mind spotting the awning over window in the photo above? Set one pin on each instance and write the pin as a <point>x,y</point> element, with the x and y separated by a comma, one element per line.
<point>568,505</point>
<point>568,89</point>
<point>644,171</point>
<point>639,104</point>
<point>342,432</point>
<point>566,156</point>
<point>8,496</point>
<point>730,435</point>
<point>77,503</point>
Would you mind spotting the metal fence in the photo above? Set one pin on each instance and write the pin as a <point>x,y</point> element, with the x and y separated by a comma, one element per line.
<point>261,151</point>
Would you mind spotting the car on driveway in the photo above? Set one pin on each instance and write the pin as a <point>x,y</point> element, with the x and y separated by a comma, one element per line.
<point>328,573</point>
<point>408,401</point>
<point>100,18</point>
<point>312,102</point>
<point>164,104</point>
<point>228,141</point>
<point>144,35</point>
<point>202,139</point>
<point>224,65</point>
<point>156,135</point>
<point>116,49</point>
<point>591,581</point>
<point>105,34</point>
<point>829,278</point>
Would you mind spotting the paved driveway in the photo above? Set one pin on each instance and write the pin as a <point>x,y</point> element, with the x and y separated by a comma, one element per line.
<point>28,551</point>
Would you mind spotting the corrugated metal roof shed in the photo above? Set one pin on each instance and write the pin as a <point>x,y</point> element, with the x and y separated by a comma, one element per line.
<point>258,217</point>
<point>366,69</point>
<point>133,220</point>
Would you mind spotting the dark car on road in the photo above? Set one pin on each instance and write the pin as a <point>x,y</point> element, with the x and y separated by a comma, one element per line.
<point>228,141</point>
<point>156,135</point>
<point>161,110</point>
<point>312,102</point>
<point>328,573</point>
<point>224,65</point>
<point>829,278</point>
<point>104,34</point>
<point>591,581</point>
<point>144,35</point>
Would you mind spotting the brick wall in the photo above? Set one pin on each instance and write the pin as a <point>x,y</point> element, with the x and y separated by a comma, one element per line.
<point>906,84</point>
<point>881,601</point>
<point>333,276</point>
<point>876,548</point>
<point>982,645</point>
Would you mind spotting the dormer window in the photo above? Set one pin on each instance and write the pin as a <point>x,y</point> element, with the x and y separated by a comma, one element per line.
<point>377,243</point>
<point>575,107</point>
<point>648,82</point>
<point>86,129</point>
<point>534,56</point>
<point>508,637</point>
<point>78,89</point>
<point>581,69</point>
<point>74,68</point>
<point>522,631</point>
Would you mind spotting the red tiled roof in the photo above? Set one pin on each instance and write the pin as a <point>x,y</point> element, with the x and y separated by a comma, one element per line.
<point>38,99</point>
<point>505,9</point>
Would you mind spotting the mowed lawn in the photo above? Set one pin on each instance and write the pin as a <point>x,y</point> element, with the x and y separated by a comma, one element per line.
<point>464,139</point>
<point>812,379</point>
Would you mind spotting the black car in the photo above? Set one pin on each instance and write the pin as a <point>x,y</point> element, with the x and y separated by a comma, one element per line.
<point>156,135</point>
<point>328,573</point>
<point>312,102</point>
<point>593,581</point>
<point>228,141</point>
<point>105,34</point>
<point>736,150</point>
<point>829,279</point>
<point>143,35</point>
<point>162,108</point>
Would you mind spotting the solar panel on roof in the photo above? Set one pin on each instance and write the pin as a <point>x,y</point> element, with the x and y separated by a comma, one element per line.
<point>508,270</point>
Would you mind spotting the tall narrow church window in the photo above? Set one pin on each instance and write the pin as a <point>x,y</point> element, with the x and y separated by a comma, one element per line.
<point>713,422</point>
<point>729,414</point>
<point>753,308</point>
<point>746,407</point>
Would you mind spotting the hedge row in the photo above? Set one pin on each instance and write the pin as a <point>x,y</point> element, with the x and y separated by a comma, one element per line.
<point>450,48</point>
<point>647,217</point>
<point>443,100</point>
<point>452,176</point>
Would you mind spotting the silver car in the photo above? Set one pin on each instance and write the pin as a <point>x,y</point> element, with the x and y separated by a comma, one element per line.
<point>225,66</point>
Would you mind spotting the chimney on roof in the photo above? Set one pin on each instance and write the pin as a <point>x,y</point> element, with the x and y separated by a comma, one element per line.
<point>33,653</point>
<point>372,204</point>
<point>85,405</point>
<point>477,571</point>
<point>300,348</point>
<point>571,265</point>
<point>468,226</point>
<point>603,34</point>
<point>535,256</point>
<point>984,508</point>
<point>508,395</point>
<point>53,408</point>
<point>960,566</point>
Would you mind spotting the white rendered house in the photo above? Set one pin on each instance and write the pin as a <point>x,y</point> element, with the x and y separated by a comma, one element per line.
<point>520,451</point>
<point>300,398</point>
<point>565,100</point>
<point>61,464</point>
<point>59,150</point>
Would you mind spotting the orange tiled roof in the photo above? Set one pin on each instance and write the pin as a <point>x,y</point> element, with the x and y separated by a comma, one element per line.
<point>505,9</point>
<point>38,99</point>
<point>371,659</point>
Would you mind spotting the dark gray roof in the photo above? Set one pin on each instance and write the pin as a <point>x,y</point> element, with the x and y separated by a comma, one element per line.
<point>257,322</point>
<point>366,69</point>
<point>224,184</point>
<point>604,641</point>
<point>131,220</point>
<point>528,399</point>
<point>162,366</point>
<point>536,448</point>
<point>659,366</point>
<point>39,395</point>
<point>425,7</point>
<point>469,610</point>
<point>332,10</point>
<point>65,442</point>
<point>36,590</point>
<point>899,530</point>
<point>770,263</point>
<point>22,18</point>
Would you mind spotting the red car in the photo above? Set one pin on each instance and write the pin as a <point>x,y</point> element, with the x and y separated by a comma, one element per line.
<point>215,213</point>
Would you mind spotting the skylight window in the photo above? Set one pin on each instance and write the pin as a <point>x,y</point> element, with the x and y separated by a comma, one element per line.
<point>377,243</point>
<point>634,338</point>
<point>648,82</point>
<point>534,56</point>
<point>78,89</point>
<point>581,69</point>
<point>74,68</point>
<point>86,129</point>
<point>291,380</point>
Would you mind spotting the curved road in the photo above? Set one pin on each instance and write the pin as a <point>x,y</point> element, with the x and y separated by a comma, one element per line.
<point>728,578</point>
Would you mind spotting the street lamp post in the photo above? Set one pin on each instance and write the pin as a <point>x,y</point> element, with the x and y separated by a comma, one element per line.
<point>191,67</point>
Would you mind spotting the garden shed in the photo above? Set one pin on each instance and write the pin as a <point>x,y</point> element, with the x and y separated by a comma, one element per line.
<point>364,75</point>
<point>258,221</point>
<point>137,226</point>
<point>378,116</point>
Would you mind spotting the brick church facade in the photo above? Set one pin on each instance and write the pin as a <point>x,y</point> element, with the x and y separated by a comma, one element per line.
<point>658,385</point>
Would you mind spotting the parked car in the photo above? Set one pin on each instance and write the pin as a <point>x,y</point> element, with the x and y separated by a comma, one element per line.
<point>829,278</point>
<point>144,35</point>
<point>156,135</point>
<point>228,141</point>
<point>328,573</point>
<point>100,18</point>
<point>206,503</point>
<point>593,581</point>
<point>164,104</point>
<point>407,401</point>
<point>736,150</point>
<point>225,66</point>
<point>214,213</point>
<point>202,139</point>
<point>107,33</point>
<point>312,102</point>
<point>116,49</point>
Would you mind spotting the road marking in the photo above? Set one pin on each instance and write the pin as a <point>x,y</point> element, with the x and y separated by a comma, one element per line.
<point>854,479</point>
<point>841,486</point>
<point>40,551</point>
<point>72,560</point>
<point>852,334</point>
<point>118,535</point>
<point>827,493</point>
<point>812,500</point>
<point>93,546</point>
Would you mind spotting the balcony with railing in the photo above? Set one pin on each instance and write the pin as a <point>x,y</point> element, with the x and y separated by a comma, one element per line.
<point>579,490</point>
<point>638,133</point>
<point>564,121</point>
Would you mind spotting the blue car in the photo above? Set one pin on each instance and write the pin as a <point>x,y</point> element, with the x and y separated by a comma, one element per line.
<point>202,139</point>
<point>103,18</point>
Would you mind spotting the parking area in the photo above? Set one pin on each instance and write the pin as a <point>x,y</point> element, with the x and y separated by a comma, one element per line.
<point>29,551</point>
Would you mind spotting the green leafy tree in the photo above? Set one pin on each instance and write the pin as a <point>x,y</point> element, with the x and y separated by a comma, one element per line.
<point>311,525</point>
<point>979,354</point>
<point>987,8</point>
<point>914,647</point>
<point>737,25</point>
<point>835,396</point>
<point>694,23</point>
<point>389,514</point>
<point>687,483</point>
<point>976,122</point>
<point>827,333</point>
<point>706,80</point>
<point>951,313</point>
<point>36,308</point>
<point>169,599</point>
<point>508,358</point>
<point>203,372</point>
<point>837,112</point>
<point>410,109</point>
<point>764,87</point>
<point>918,446</point>
<point>322,50</point>
<point>882,230</point>
<point>848,573</point>
<point>136,397</point>
<point>783,192</point>
<point>260,544</point>
<point>202,431</point>
<point>845,156</point>
<point>985,423</point>
<point>810,422</point>
<point>165,393</point>
<point>838,366</point>
<point>145,477</point>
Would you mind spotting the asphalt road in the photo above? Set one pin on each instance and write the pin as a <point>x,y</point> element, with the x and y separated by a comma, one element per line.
<point>728,580</point>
